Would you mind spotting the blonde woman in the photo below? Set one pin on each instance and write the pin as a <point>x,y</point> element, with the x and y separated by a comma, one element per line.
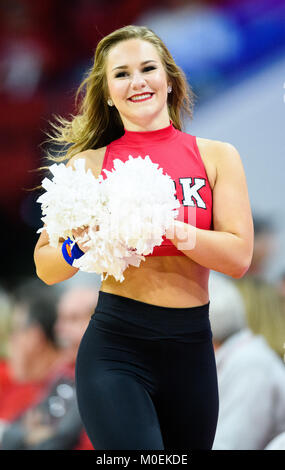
<point>145,372</point>
<point>265,311</point>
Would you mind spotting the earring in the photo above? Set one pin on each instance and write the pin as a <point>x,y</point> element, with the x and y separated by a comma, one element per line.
<point>110,102</point>
<point>169,89</point>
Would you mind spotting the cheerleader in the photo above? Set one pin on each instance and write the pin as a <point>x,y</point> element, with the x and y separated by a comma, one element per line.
<point>145,371</point>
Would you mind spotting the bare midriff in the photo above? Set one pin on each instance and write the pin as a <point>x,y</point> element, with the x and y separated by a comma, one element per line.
<point>169,281</point>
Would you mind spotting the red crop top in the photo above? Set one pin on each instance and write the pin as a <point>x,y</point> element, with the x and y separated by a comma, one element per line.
<point>178,154</point>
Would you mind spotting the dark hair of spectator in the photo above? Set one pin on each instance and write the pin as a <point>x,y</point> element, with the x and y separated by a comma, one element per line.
<point>40,303</point>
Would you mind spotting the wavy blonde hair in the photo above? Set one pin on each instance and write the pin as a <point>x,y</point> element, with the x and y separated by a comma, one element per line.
<point>96,124</point>
<point>265,311</point>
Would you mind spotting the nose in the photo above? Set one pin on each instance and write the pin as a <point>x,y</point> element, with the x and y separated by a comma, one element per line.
<point>138,81</point>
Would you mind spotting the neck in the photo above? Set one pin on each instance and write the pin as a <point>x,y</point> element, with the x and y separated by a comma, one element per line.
<point>147,125</point>
<point>162,135</point>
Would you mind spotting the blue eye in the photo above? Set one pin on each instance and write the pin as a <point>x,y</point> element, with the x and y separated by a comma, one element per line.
<point>149,67</point>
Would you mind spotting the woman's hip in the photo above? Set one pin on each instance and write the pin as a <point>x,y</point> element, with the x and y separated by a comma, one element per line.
<point>127,317</point>
<point>149,342</point>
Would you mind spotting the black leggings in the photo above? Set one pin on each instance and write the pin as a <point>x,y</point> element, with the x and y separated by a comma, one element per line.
<point>146,376</point>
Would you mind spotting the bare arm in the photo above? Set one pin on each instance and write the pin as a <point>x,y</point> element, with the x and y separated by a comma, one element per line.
<point>229,247</point>
<point>51,267</point>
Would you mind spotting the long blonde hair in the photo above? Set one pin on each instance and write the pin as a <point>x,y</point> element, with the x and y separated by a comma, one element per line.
<point>265,311</point>
<point>96,124</point>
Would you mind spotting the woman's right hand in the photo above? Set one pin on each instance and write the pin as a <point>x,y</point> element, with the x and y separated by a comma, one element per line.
<point>80,232</point>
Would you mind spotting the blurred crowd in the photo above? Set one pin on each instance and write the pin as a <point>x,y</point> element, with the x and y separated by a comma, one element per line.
<point>41,328</point>
<point>248,323</point>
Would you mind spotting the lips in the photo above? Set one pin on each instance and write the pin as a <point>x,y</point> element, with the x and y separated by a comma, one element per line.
<point>138,96</point>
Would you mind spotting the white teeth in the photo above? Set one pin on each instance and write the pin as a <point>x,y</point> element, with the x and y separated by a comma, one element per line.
<point>141,97</point>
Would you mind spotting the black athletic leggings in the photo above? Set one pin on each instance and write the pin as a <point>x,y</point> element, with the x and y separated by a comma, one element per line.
<point>146,376</point>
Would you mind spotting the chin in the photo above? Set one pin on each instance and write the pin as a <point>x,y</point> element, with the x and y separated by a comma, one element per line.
<point>145,114</point>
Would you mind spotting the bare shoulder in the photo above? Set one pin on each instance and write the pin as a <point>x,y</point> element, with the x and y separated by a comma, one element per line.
<point>211,144</point>
<point>215,154</point>
<point>215,148</point>
<point>93,159</point>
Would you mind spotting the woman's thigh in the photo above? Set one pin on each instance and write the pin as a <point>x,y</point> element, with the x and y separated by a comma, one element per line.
<point>115,406</point>
<point>136,394</point>
<point>187,404</point>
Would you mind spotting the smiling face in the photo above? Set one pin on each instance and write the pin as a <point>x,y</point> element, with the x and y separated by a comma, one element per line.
<point>73,314</point>
<point>134,68</point>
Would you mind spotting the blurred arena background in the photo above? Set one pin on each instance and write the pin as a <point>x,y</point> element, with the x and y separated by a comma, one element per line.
<point>233,53</point>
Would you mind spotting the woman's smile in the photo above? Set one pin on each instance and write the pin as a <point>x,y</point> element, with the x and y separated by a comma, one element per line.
<point>140,98</point>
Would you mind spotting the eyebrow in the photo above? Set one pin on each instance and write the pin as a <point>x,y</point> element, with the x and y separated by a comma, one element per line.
<point>125,66</point>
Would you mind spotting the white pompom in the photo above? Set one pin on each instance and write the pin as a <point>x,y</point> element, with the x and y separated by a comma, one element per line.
<point>133,206</point>
<point>69,201</point>
<point>141,202</point>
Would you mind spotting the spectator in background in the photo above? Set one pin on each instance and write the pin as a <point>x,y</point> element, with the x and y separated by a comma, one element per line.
<point>278,443</point>
<point>251,376</point>
<point>51,419</point>
<point>32,350</point>
<point>75,307</point>
<point>33,332</point>
<point>265,312</point>
<point>5,317</point>
<point>281,284</point>
<point>264,246</point>
<point>265,306</point>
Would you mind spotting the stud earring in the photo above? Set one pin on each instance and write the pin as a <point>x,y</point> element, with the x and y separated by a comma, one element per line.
<point>110,102</point>
<point>169,89</point>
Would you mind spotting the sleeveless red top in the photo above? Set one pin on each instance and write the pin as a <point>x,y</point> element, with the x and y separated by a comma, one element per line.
<point>178,154</point>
